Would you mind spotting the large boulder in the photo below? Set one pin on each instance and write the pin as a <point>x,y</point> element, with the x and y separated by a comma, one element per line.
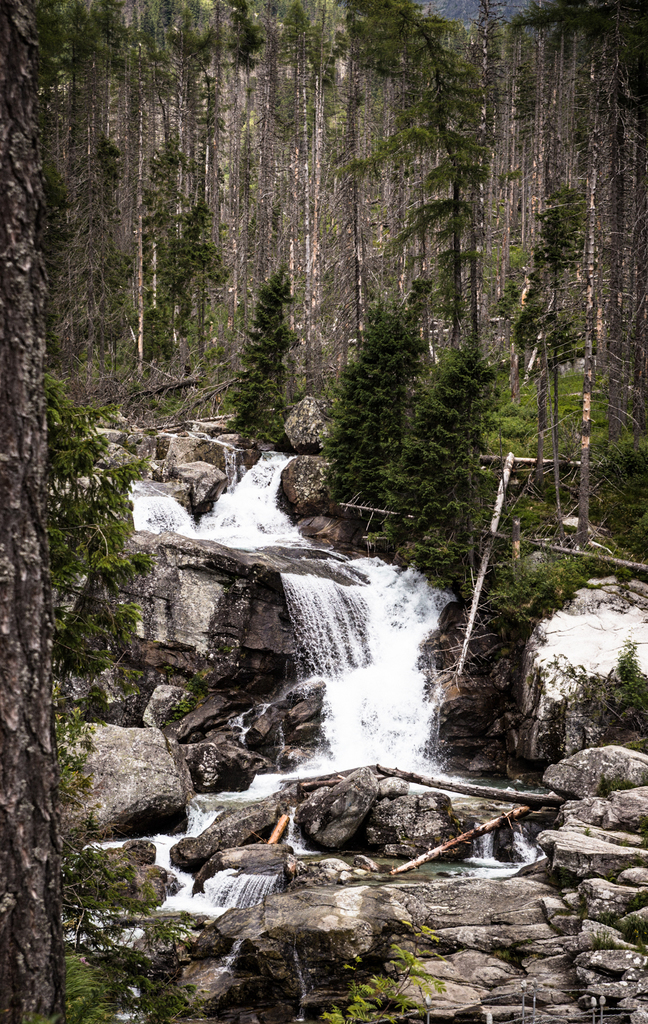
<point>307,425</point>
<point>222,765</point>
<point>301,940</point>
<point>206,484</point>
<point>305,486</point>
<point>421,821</point>
<point>237,827</point>
<point>582,774</point>
<point>332,816</point>
<point>565,657</point>
<point>165,700</point>
<point>139,779</point>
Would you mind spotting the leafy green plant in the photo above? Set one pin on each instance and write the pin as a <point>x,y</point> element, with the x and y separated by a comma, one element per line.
<point>611,785</point>
<point>634,929</point>
<point>634,685</point>
<point>385,997</point>
<point>521,596</point>
<point>197,690</point>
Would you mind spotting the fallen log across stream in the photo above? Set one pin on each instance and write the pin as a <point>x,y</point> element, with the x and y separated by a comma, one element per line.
<point>465,837</point>
<point>507,796</point>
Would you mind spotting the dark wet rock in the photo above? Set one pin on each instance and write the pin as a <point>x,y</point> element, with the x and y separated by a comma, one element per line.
<point>140,851</point>
<point>334,530</point>
<point>139,780</point>
<point>581,774</point>
<point>255,859</point>
<point>222,765</point>
<point>206,484</point>
<point>332,816</point>
<point>214,713</point>
<point>164,701</point>
<point>421,821</point>
<point>233,828</point>
<point>307,425</point>
<point>305,486</point>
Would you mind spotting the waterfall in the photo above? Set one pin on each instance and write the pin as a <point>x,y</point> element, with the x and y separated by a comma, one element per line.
<point>364,641</point>
<point>230,888</point>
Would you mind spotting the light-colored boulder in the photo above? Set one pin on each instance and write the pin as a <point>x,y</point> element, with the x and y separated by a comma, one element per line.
<point>138,778</point>
<point>304,484</point>
<point>206,484</point>
<point>603,898</point>
<point>307,425</point>
<point>581,774</point>
<point>563,660</point>
<point>422,820</point>
<point>582,856</point>
<point>164,700</point>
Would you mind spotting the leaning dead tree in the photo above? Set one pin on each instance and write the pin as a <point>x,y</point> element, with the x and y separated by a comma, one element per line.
<point>488,549</point>
<point>465,837</point>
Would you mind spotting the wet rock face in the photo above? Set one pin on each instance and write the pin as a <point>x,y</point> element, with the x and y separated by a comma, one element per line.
<point>232,828</point>
<point>222,766</point>
<point>255,859</point>
<point>422,821</point>
<point>332,816</point>
<point>307,425</point>
<point>139,779</point>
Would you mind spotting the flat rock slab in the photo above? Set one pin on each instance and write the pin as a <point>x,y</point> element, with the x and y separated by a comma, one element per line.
<point>583,856</point>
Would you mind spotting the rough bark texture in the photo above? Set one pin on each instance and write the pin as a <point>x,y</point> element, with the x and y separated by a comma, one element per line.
<point>31,941</point>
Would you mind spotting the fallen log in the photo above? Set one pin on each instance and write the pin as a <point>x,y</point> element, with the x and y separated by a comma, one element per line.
<point>465,837</point>
<point>279,829</point>
<point>488,547</point>
<point>637,566</point>
<point>534,800</point>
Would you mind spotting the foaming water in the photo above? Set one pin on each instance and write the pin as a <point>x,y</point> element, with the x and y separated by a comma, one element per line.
<point>365,642</point>
<point>245,517</point>
<point>230,888</point>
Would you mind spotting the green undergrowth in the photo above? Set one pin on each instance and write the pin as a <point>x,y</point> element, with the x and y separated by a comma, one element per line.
<point>197,690</point>
<point>613,784</point>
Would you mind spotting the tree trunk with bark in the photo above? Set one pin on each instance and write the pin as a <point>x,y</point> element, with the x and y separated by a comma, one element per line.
<point>32,968</point>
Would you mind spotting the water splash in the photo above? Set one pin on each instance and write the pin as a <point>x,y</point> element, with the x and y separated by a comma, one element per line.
<point>230,888</point>
<point>364,641</point>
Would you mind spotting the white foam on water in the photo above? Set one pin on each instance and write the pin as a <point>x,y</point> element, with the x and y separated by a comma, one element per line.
<point>230,888</point>
<point>364,641</point>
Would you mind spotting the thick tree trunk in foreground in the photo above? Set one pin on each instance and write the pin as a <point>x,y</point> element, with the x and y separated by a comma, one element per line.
<point>31,941</point>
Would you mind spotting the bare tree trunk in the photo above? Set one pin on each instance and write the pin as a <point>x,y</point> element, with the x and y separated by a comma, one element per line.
<point>488,547</point>
<point>31,940</point>
<point>140,216</point>
<point>588,373</point>
<point>543,386</point>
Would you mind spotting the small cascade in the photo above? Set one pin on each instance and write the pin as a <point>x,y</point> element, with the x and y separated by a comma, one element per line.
<point>294,836</point>
<point>228,962</point>
<point>483,847</point>
<point>526,850</point>
<point>230,888</point>
<point>303,988</point>
<point>330,625</point>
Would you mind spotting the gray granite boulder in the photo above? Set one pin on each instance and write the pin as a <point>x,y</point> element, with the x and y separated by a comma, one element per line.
<point>307,425</point>
<point>304,484</point>
<point>422,821</point>
<point>581,856</point>
<point>581,774</point>
<point>139,779</point>
<point>222,765</point>
<point>332,816</point>
<point>163,702</point>
<point>237,827</point>
<point>206,484</point>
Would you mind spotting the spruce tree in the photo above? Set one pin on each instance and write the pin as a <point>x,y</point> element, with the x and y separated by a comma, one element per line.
<point>371,408</point>
<point>260,399</point>
<point>437,481</point>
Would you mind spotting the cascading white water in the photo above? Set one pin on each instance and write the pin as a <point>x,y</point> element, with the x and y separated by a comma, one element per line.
<point>364,641</point>
<point>230,888</point>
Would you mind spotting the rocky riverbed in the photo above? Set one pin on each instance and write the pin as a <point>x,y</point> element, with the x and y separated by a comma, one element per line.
<point>272,650</point>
